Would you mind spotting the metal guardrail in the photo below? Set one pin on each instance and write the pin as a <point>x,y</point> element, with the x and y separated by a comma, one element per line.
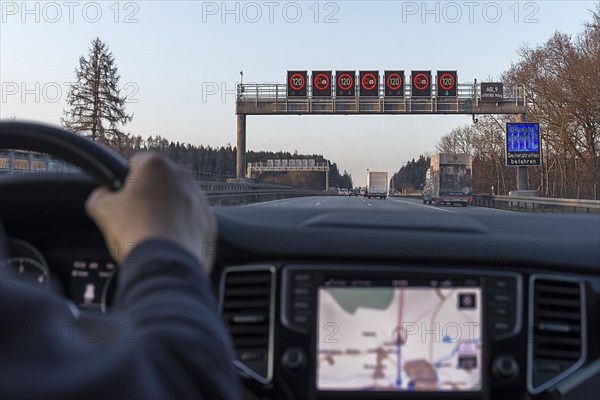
<point>218,193</point>
<point>233,187</point>
<point>237,193</point>
<point>529,204</point>
<point>538,204</point>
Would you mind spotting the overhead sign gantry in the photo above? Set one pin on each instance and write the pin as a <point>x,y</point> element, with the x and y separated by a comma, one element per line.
<point>291,165</point>
<point>368,92</point>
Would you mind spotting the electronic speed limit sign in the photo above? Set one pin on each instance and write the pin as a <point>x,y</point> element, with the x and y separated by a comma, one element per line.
<point>369,83</point>
<point>345,85</point>
<point>421,83</point>
<point>446,84</point>
<point>321,83</point>
<point>394,83</point>
<point>296,84</point>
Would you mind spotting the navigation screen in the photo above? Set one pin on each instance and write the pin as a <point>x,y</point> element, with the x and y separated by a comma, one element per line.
<point>420,336</point>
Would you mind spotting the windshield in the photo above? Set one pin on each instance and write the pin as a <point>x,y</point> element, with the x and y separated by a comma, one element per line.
<point>322,98</point>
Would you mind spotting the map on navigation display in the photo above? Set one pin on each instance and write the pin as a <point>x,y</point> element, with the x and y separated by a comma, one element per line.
<point>412,338</point>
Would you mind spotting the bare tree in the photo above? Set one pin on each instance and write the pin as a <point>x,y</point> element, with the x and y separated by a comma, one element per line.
<point>95,105</point>
<point>458,140</point>
<point>560,77</point>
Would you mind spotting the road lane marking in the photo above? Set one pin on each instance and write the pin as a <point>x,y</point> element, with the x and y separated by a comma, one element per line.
<point>273,201</point>
<point>490,208</point>
<point>317,203</point>
<point>423,205</point>
<point>365,202</point>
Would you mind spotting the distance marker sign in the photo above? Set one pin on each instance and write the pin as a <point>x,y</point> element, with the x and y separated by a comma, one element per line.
<point>523,143</point>
<point>394,83</point>
<point>369,83</point>
<point>296,84</point>
<point>492,92</point>
<point>421,83</point>
<point>345,85</point>
<point>321,84</point>
<point>446,84</point>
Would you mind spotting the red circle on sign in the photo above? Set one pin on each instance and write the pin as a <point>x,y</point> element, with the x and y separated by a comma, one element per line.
<point>325,80</point>
<point>394,87</point>
<point>348,86</point>
<point>292,81</point>
<point>365,85</point>
<point>442,80</point>
<point>418,83</point>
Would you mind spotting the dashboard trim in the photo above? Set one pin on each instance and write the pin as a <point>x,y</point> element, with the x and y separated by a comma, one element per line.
<point>270,351</point>
<point>582,298</point>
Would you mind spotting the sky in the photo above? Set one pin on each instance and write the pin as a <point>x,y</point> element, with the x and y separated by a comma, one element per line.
<point>180,61</point>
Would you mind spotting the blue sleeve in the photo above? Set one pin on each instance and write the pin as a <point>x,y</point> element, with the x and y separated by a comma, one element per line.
<point>166,293</point>
<point>163,340</point>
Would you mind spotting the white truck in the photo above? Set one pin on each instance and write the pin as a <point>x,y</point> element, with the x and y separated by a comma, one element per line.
<point>377,184</point>
<point>449,180</point>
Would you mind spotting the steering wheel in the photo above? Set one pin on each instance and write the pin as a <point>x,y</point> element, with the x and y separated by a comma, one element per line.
<point>103,164</point>
<point>99,161</point>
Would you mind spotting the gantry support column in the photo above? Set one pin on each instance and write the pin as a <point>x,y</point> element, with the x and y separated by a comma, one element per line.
<point>521,169</point>
<point>240,163</point>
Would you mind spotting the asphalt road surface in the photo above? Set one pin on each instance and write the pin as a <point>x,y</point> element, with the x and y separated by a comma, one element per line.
<point>391,203</point>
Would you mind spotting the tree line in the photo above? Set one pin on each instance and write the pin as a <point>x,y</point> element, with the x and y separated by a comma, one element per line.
<point>560,78</point>
<point>219,163</point>
<point>96,109</point>
<point>411,176</point>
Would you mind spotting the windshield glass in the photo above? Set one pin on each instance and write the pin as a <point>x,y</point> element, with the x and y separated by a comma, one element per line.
<point>322,98</point>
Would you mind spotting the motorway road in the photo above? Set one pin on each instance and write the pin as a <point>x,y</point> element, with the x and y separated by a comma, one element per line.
<point>349,203</point>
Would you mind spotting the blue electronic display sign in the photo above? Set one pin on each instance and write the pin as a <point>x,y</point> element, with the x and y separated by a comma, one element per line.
<point>523,143</point>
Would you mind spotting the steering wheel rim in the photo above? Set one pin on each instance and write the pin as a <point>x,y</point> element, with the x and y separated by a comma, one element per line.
<point>98,160</point>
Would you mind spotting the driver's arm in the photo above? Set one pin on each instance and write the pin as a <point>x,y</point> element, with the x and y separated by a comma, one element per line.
<point>164,338</point>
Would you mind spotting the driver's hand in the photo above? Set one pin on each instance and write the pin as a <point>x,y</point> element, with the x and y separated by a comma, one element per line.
<point>158,200</point>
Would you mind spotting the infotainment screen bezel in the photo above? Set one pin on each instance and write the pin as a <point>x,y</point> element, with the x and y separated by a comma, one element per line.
<point>318,274</point>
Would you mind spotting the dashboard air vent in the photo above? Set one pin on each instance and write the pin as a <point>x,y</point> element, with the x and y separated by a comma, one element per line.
<point>247,307</point>
<point>558,329</point>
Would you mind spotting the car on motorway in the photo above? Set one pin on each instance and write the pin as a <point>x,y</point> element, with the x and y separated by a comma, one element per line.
<point>323,297</point>
<point>515,309</point>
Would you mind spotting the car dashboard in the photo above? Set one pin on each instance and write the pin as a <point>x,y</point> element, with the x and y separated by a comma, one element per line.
<point>357,305</point>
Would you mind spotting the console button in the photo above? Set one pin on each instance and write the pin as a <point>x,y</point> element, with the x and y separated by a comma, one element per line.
<point>293,358</point>
<point>300,319</point>
<point>500,311</point>
<point>501,303</point>
<point>506,367</point>
<point>504,298</point>
<point>501,283</point>
<point>300,305</point>
<point>500,326</point>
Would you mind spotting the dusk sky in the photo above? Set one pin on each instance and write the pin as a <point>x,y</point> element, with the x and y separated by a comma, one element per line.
<point>179,63</point>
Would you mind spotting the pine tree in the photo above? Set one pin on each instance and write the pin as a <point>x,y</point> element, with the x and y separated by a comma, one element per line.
<point>96,108</point>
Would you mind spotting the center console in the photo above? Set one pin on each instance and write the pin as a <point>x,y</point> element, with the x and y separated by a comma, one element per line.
<point>342,331</point>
